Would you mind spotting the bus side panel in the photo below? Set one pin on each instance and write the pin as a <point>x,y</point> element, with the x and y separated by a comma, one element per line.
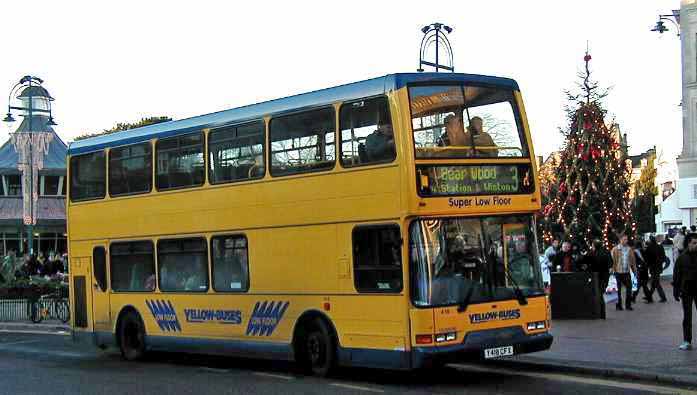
<point>244,324</point>
<point>372,327</point>
<point>299,259</point>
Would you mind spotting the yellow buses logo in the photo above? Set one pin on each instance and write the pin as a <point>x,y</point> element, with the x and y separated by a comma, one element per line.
<point>478,318</point>
<point>164,313</point>
<point>265,317</point>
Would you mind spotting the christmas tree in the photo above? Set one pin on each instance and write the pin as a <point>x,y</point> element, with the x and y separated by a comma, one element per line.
<point>589,193</point>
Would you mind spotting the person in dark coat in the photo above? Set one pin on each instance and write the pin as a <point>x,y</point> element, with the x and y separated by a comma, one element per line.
<point>598,260</point>
<point>685,286</point>
<point>655,259</point>
<point>642,272</point>
<point>564,260</point>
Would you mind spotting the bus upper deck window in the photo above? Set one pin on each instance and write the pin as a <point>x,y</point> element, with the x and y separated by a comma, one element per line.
<point>367,136</point>
<point>455,121</point>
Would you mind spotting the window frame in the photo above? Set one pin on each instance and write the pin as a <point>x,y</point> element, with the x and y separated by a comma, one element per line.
<point>111,195</point>
<point>340,139</point>
<point>7,184</point>
<point>203,153</point>
<point>292,114</point>
<point>514,107</point>
<point>209,170</point>
<point>212,264</point>
<point>386,225</point>
<point>43,179</point>
<point>111,266</point>
<point>208,266</point>
<point>72,175</point>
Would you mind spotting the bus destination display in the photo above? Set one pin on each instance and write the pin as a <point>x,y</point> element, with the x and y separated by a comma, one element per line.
<point>474,180</point>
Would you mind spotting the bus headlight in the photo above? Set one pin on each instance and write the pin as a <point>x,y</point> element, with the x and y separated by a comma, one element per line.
<point>446,337</point>
<point>536,325</point>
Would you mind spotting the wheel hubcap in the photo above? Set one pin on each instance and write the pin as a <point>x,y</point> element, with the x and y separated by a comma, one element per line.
<point>314,347</point>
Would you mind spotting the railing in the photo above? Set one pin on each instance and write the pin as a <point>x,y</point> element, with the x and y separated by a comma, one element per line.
<point>19,308</point>
<point>14,309</point>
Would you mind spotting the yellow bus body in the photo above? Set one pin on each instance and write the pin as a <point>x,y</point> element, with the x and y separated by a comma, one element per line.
<point>299,231</point>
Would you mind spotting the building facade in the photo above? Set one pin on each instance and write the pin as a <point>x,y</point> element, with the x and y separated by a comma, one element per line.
<point>685,197</point>
<point>49,229</point>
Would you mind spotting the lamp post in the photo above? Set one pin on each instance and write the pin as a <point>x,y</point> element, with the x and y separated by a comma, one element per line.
<point>435,35</point>
<point>673,18</point>
<point>31,140</point>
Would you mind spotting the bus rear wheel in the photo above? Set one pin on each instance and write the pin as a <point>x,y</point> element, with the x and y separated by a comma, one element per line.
<point>317,349</point>
<point>131,335</point>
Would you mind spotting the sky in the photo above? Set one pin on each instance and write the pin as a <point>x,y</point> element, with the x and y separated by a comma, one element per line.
<point>109,62</point>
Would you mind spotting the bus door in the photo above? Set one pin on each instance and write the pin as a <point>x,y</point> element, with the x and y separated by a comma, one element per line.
<point>101,314</point>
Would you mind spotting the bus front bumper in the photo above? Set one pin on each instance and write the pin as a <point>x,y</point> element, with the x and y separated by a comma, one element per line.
<point>474,344</point>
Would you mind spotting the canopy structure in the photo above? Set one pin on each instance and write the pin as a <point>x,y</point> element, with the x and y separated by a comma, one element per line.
<point>48,155</point>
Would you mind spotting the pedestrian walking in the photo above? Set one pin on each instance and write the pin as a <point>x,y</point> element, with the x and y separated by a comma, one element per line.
<point>679,240</point>
<point>623,262</point>
<point>8,267</point>
<point>642,272</point>
<point>656,260</point>
<point>685,286</point>
<point>551,251</point>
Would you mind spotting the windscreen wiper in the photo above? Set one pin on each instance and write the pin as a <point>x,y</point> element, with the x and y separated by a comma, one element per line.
<point>462,306</point>
<point>516,289</point>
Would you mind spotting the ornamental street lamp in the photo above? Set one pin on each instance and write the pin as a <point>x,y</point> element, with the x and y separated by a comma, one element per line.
<point>31,140</point>
<point>435,37</point>
<point>673,18</point>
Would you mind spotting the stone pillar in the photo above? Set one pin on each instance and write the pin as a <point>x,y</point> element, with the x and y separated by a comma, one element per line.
<point>687,162</point>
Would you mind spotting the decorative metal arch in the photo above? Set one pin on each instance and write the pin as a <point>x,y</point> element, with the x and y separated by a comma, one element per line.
<point>434,35</point>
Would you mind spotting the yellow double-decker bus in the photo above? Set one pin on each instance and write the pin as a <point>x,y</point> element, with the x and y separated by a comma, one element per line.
<point>384,223</point>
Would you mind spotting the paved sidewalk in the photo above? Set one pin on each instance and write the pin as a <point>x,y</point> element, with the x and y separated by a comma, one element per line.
<point>49,327</point>
<point>641,344</point>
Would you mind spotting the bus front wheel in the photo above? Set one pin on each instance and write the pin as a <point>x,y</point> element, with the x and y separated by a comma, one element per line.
<point>132,337</point>
<point>317,348</point>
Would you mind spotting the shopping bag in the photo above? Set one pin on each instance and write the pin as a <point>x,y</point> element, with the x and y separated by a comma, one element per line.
<point>611,285</point>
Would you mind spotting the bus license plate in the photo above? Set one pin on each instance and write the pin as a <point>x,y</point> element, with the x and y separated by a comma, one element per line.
<point>498,352</point>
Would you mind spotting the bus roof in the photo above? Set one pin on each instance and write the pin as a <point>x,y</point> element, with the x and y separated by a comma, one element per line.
<point>304,101</point>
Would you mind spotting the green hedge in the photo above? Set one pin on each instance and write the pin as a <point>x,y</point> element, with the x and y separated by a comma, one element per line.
<point>34,287</point>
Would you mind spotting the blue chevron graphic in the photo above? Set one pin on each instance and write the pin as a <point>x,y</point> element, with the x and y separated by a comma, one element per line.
<point>165,315</point>
<point>265,317</point>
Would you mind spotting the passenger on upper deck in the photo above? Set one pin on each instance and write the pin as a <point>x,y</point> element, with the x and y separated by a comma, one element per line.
<point>454,133</point>
<point>456,136</point>
<point>379,145</point>
<point>483,142</point>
